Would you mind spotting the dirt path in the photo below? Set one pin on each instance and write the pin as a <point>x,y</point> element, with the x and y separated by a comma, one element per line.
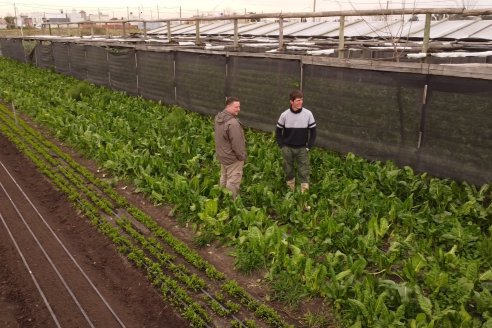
<point>21,303</point>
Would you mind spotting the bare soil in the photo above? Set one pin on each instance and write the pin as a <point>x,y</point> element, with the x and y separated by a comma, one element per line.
<point>124,287</point>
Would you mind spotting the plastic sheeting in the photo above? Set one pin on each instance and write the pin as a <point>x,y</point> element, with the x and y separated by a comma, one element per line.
<point>122,70</point>
<point>156,75</point>
<point>200,82</point>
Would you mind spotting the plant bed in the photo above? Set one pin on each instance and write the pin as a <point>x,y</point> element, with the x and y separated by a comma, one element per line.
<point>383,245</point>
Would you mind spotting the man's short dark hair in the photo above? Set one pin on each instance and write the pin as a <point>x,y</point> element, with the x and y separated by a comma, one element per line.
<point>296,94</point>
<point>230,100</point>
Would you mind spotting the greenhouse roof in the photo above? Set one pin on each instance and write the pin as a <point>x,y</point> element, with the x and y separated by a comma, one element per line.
<point>444,29</point>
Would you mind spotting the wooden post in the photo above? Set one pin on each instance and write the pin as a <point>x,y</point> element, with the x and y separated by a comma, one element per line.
<point>145,30</point>
<point>107,30</point>
<point>236,34</point>
<point>197,31</point>
<point>124,29</point>
<point>425,44</point>
<point>169,36</point>
<point>92,30</point>
<point>341,39</point>
<point>280,32</point>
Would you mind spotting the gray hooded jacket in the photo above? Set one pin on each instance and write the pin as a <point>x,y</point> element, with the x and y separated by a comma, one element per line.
<point>230,145</point>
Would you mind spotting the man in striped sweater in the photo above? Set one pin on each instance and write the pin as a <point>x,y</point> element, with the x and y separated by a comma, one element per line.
<point>295,134</point>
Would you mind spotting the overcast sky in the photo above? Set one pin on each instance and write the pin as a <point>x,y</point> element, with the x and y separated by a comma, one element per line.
<point>187,8</point>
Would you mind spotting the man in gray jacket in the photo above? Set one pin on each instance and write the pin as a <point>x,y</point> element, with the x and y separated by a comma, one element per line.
<point>230,145</point>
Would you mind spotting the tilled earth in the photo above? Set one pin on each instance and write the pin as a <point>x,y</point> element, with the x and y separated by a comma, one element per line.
<point>125,288</point>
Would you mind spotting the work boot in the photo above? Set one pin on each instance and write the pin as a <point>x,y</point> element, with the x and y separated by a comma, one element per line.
<point>291,184</point>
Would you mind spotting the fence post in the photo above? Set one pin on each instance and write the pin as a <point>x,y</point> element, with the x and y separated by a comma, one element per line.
<point>236,33</point>
<point>280,33</point>
<point>341,39</point>
<point>169,36</point>
<point>425,44</point>
<point>197,32</point>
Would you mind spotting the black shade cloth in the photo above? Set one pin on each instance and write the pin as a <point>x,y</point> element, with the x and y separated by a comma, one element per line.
<point>44,55</point>
<point>156,75</point>
<point>122,70</point>
<point>96,59</point>
<point>263,86</point>
<point>13,49</point>
<point>370,113</point>
<point>200,82</point>
<point>457,138</point>
<point>61,57</point>
<point>78,65</point>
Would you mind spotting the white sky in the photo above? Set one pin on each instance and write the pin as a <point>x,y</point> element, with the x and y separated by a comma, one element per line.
<point>168,9</point>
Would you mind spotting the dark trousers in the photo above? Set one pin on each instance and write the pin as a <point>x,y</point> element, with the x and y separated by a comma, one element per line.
<point>293,157</point>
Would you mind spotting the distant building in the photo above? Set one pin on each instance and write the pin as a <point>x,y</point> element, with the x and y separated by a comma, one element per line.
<point>27,21</point>
<point>98,17</point>
<point>55,18</point>
<point>38,18</point>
